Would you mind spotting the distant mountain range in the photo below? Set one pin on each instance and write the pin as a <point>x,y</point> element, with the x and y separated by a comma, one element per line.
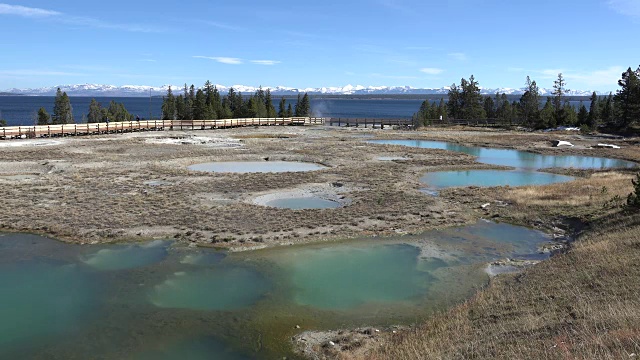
<point>144,91</point>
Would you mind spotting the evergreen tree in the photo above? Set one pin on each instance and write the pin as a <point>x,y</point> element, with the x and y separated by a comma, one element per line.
<point>271,110</point>
<point>442,109</point>
<point>504,110</point>
<point>570,114</point>
<point>289,111</point>
<point>547,117</point>
<point>594,111</point>
<point>200,106</point>
<point>627,99</point>
<point>169,111</point>
<point>297,113</point>
<point>282,111</point>
<point>95,112</point>
<point>471,105</point>
<point>43,117</point>
<point>607,114</point>
<point>62,110</point>
<point>583,116</point>
<point>453,105</point>
<point>559,91</point>
<point>530,102</point>
<point>489,107</point>
<point>303,108</point>
<point>180,108</point>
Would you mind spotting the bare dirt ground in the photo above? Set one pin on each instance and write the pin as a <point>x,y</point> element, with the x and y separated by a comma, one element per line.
<point>137,186</point>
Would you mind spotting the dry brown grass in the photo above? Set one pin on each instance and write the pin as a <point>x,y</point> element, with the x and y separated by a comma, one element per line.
<point>598,188</point>
<point>584,304</point>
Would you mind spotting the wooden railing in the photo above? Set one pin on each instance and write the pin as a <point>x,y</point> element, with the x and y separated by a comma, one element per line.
<point>23,132</point>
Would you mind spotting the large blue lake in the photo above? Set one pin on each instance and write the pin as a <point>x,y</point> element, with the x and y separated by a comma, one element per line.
<point>21,110</point>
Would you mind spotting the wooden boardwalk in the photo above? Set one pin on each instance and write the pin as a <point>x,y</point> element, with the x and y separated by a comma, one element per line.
<point>37,131</point>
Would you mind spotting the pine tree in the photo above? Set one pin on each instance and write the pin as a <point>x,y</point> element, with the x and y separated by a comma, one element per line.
<point>442,109</point>
<point>200,106</point>
<point>180,108</point>
<point>453,105</point>
<point>304,107</point>
<point>62,110</point>
<point>297,112</point>
<point>489,107</point>
<point>594,111</point>
<point>583,116</point>
<point>282,111</point>
<point>43,117</point>
<point>471,106</point>
<point>570,114</point>
<point>95,113</point>
<point>559,91</point>
<point>271,110</point>
<point>530,102</point>
<point>607,113</point>
<point>289,111</point>
<point>547,115</point>
<point>169,111</point>
<point>627,99</point>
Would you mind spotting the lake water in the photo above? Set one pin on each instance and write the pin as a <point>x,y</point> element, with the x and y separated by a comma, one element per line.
<point>20,110</point>
<point>162,300</point>
<point>526,164</point>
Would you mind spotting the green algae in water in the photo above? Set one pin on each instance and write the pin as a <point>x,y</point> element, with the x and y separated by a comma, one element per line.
<point>40,301</point>
<point>198,349</point>
<point>222,288</point>
<point>120,257</point>
<point>345,277</point>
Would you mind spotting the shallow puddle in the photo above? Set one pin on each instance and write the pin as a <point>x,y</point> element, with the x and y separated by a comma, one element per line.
<point>256,167</point>
<point>300,203</point>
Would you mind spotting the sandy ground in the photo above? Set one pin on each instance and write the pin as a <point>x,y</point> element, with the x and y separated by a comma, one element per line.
<point>137,186</point>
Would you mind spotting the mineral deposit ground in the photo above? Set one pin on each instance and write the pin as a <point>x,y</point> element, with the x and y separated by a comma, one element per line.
<point>137,186</point>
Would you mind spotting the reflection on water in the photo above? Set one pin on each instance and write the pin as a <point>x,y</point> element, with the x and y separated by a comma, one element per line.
<point>256,167</point>
<point>526,164</point>
<point>516,158</point>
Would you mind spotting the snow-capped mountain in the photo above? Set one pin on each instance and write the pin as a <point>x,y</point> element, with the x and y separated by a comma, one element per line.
<point>142,90</point>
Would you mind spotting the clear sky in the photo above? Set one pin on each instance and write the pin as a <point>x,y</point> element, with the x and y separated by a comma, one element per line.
<point>309,43</point>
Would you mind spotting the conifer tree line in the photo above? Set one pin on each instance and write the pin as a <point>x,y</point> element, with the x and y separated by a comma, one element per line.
<point>208,104</point>
<point>62,111</point>
<point>116,112</point>
<point>617,111</point>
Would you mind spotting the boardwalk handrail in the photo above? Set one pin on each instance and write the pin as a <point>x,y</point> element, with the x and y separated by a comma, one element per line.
<point>13,132</point>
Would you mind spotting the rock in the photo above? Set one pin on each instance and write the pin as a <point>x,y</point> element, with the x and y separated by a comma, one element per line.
<point>558,143</point>
<point>331,343</point>
<point>484,206</point>
<point>297,326</point>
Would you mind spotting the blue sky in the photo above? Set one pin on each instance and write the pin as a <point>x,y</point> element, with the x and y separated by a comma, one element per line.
<point>303,44</point>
